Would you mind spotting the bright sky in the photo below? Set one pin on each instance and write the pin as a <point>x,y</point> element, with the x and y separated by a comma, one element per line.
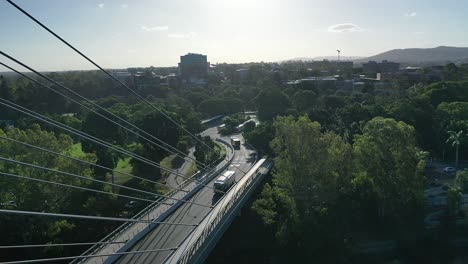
<point>124,33</point>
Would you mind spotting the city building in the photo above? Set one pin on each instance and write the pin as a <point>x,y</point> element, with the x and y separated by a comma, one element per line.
<point>242,74</point>
<point>344,65</point>
<point>332,66</point>
<point>193,68</point>
<point>146,82</point>
<point>125,77</point>
<point>371,68</point>
<point>317,82</point>
<point>414,75</point>
<point>171,81</point>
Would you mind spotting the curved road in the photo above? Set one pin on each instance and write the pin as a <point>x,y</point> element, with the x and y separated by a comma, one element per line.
<point>173,179</point>
<point>165,236</point>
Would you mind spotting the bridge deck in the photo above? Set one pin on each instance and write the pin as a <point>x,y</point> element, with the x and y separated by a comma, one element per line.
<point>130,231</point>
<point>221,210</point>
<point>164,236</point>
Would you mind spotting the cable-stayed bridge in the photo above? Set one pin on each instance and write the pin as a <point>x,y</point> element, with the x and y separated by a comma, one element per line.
<point>187,242</point>
<point>180,226</point>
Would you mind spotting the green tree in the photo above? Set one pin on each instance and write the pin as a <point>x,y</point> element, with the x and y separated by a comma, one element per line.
<point>107,131</point>
<point>260,137</point>
<point>450,116</point>
<point>161,127</point>
<point>451,72</point>
<point>233,121</point>
<point>271,103</point>
<point>304,99</point>
<point>6,89</point>
<point>386,154</point>
<point>212,107</point>
<point>454,197</point>
<point>206,153</point>
<point>312,174</point>
<point>249,126</point>
<point>456,139</point>
<point>36,196</point>
<point>461,181</point>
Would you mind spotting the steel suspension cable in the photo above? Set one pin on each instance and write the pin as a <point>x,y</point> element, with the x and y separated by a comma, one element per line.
<point>73,186</point>
<point>52,122</point>
<point>74,131</point>
<point>84,161</point>
<point>99,107</point>
<point>111,76</point>
<point>88,256</point>
<point>94,180</point>
<point>98,141</point>
<point>62,245</point>
<point>224,200</point>
<point>90,217</point>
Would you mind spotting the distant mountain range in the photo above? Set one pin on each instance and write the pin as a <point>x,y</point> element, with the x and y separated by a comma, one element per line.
<point>325,58</point>
<point>432,56</point>
<point>416,57</point>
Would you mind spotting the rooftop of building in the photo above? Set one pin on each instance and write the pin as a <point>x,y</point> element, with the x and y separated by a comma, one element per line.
<point>193,54</point>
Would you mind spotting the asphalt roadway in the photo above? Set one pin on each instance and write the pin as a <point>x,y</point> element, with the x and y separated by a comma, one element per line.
<point>175,180</point>
<point>169,236</point>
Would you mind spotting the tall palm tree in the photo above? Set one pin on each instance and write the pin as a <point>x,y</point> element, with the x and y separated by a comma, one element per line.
<point>455,138</point>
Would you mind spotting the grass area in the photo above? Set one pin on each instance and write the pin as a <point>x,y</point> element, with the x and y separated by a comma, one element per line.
<point>192,170</point>
<point>76,151</point>
<point>124,166</point>
<point>219,147</point>
<point>163,190</point>
<point>166,162</point>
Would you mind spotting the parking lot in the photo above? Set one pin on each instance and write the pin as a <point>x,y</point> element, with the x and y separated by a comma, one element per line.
<point>434,172</point>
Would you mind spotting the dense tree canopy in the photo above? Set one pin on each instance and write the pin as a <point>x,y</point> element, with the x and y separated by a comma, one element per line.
<point>271,103</point>
<point>312,173</point>
<point>24,194</point>
<point>352,166</point>
<point>323,187</point>
<point>386,154</point>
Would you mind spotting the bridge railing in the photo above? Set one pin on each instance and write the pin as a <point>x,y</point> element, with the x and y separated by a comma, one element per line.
<point>125,226</point>
<point>221,210</point>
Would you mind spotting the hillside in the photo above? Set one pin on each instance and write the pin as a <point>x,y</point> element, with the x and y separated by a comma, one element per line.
<point>331,58</point>
<point>438,55</point>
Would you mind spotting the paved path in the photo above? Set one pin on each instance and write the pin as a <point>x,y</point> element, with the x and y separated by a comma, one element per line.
<point>134,228</point>
<point>165,236</point>
<point>173,179</point>
<point>157,210</point>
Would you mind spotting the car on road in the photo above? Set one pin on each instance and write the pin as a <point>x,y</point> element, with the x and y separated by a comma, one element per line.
<point>10,204</point>
<point>221,128</point>
<point>449,170</point>
<point>131,204</point>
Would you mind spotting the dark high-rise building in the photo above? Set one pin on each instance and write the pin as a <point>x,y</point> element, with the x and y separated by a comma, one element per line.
<point>193,67</point>
<point>388,66</point>
<point>327,65</point>
<point>373,67</point>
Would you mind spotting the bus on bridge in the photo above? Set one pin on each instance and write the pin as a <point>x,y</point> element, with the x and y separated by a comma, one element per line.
<point>224,182</point>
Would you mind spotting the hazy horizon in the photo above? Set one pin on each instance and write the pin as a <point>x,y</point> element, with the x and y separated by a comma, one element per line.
<point>123,34</point>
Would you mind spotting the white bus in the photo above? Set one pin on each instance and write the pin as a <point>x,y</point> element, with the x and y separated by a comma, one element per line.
<point>241,127</point>
<point>221,127</point>
<point>224,181</point>
<point>235,142</point>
